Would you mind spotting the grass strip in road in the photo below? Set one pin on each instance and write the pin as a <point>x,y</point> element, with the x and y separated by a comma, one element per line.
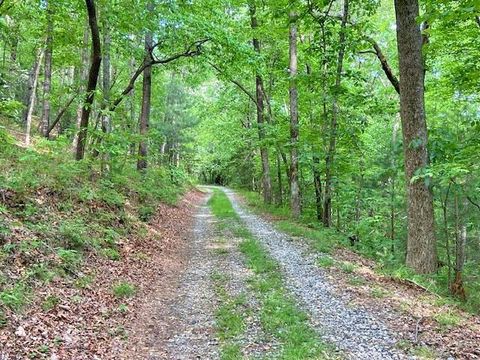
<point>279,314</point>
<point>230,322</point>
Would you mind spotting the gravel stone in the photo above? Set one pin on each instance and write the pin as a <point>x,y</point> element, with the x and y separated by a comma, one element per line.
<point>355,331</point>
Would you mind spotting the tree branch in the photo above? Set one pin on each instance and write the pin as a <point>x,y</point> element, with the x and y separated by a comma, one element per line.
<point>473,202</point>
<point>60,114</point>
<point>194,49</point>
<point>237,83</point>
<point>385,66</point>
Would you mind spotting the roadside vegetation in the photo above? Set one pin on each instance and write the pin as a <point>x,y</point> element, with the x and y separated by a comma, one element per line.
<point>327,240</point>
<point>61,221</point>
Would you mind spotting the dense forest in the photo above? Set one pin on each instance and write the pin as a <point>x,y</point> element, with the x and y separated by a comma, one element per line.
<point>357,118</point>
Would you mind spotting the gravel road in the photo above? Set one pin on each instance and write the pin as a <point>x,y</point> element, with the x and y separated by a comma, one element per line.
<point>352,329</point>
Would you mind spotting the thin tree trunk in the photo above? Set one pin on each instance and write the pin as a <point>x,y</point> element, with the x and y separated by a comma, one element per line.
<point>106,83</point>
<point>47,83</point>
<point>92,79</point>
<point>146,100</point>
<point>327,211</point>
<point>33,95</point>
<point>82,79</point>
<point>447,235</point>
<point>393,180</point>
<point>294,126</point>
<point>457,287</point>
<point>60,114</point>
<point>421,242</point>
<point>279,179</point>
<point>266,179</point>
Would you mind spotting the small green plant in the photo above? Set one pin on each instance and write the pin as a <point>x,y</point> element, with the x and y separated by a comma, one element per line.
<point>424,352</point>
<point>447,319</point>
<point>15,297</point>
<point>42,272</point>
<point>50,302</point>
<point>146,212</point>
<point>356,281</point>
<point>325,261</point>
<point>74,234</point>
<point>347,267</point>
<point>378,292</point>
<point>84,282</point>
<point>70,258</point>
<point>3,319</point>
<point>111,254</point>
<point>122,309</point>
<point>123,290</point>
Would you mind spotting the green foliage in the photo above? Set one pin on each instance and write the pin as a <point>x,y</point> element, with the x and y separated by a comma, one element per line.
<point>50,302</point>
<point>111,254</point>
<point>123,289</point>
<point>70,259</point>
<point>15,297</point>
<point>74,234</point>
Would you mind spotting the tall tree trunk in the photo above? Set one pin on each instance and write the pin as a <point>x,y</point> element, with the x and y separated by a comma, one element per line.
<point>92,79</point>
<point>133,118</point>
<point>447,235</point>
<point>106,77</point>
<point>327,211</point>
<point>33,95</point>
<point>294,125</point>
<point>421,242</point>
<point>82,75</point>
<point>47,82</point>
<point>105,117</point>
<point>457,287</point>
<point>146,100</point>
<point>317,180</point>
<point>393,181</point>
<point>266,179</point>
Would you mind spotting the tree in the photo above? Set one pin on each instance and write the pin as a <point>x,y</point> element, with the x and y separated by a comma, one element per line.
<point>146,102</point>
<point>33,95</point>
<point>96,60</point>
<point>47,69</point>
<point>259,92</point>
<point>421,242</point>
<point>327,211</point>
<point>294,125</point>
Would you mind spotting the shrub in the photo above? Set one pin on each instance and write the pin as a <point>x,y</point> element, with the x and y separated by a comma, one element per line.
<point>15,297</point>
<point>70,258</point>
<point>74,234</point>
<point>111,254</point>
<point>123,290</point>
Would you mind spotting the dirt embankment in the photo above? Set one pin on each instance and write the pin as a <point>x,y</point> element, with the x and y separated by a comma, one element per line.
<point>87,320</point>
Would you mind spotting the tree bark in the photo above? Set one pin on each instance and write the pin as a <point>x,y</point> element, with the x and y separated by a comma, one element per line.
<point>82,75</point>
<point>267,183</point>
<point>457,288</point>
<point>92,79</point>
<point>146,104</point>
<point>47,83</point>
<point>33,95</point>
<point>294,125</point>
<point>327,211</point>
<point>421,242</point>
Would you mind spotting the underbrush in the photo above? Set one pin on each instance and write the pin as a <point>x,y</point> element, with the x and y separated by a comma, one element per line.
<point>325,240</point>
<point>55,213</point>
